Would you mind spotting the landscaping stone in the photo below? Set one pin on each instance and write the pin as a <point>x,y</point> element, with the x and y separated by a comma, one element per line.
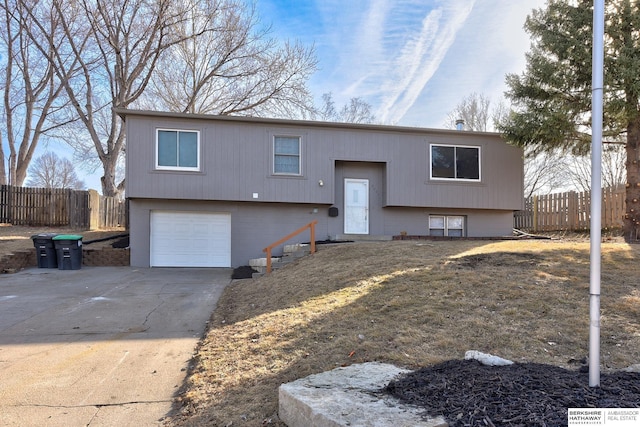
<point>349,396</point>
<point>486,359</point>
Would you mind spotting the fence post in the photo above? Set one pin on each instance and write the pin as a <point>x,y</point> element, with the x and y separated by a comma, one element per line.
<point>572,210</point>
<point>620,194</point>
<point>535,213</point>
<point>4,203</point>
<point>94,210</point>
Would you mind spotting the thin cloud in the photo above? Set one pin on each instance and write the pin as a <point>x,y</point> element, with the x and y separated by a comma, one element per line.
<point>490,44</point>
<point>411,60</point>
<point>417,62</point>
<point>419,59</point>
<point>372,27</point>
<point>386,51</point>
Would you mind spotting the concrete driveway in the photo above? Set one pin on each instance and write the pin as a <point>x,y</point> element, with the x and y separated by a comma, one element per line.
<point>100,346</point>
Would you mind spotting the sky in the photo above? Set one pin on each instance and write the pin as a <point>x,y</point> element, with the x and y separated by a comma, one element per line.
<point>413,61</point>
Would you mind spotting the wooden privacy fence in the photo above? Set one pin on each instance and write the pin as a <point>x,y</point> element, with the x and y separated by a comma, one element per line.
<point>113,212</point>
<point>570,211</point>
<point>58,207</point>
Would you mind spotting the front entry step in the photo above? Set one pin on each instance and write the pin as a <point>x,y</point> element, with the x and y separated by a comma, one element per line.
<point>290,253</point>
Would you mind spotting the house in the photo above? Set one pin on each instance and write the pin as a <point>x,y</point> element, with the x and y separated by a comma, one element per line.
<point>214,191</point>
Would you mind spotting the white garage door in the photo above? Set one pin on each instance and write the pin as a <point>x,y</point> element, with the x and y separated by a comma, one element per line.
<point>190,239</point>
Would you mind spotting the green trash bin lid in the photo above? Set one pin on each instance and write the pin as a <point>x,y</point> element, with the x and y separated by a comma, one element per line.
<point>67,237</point>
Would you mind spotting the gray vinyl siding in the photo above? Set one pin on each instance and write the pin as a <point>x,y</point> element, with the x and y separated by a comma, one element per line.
<point>256,225</point>
<point>236,162</point>
<point>479,223</point>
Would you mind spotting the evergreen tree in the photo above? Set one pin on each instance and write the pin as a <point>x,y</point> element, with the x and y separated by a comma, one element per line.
<point>551,99</point>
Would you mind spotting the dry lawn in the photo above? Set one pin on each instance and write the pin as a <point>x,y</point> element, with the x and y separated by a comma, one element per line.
<point>408,303</point>
<point>411,304</point>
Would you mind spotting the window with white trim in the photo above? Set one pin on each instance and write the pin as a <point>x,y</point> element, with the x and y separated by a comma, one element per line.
<point>286,155</point>
<point>178,150</point>
<point>446,225</point>
<point>449,162</point>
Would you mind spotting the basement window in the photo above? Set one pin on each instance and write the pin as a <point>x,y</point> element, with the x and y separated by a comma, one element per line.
<point>447,225</point>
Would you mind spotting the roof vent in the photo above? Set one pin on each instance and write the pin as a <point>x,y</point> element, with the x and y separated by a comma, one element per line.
<point>459,124</point>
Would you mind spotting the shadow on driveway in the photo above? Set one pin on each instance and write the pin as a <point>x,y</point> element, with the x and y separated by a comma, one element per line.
<point>100,345</point>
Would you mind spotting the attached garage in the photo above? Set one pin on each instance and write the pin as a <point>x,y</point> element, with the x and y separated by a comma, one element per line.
<point>190,239</point>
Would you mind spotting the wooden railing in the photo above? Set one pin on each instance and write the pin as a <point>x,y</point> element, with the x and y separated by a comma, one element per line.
<point>312,230</point>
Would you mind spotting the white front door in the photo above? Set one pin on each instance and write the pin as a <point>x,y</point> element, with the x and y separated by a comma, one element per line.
<point>356,206</point>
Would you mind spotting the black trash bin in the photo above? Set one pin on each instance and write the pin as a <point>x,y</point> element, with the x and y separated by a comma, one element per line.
<point>69,251</point>
<point>45,250</point>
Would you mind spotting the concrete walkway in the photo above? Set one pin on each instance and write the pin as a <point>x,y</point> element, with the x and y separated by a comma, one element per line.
<point>100,346</point>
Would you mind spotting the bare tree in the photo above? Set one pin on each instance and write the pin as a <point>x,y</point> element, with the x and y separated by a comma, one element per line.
<point>498,113</point>
<point>105,52</point>
<point>356,111</point>
<point>614,158</point>
<point>232,68</point>
<point>613,168</point>
<point>30,89</point>
<point>327,112</point>
<point>474,111</point>
<point>544,172</point>
<point>110,49</point>
<point>3,170</point>
<point>51,171</point>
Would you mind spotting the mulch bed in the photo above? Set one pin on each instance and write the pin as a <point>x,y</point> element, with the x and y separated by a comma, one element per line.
<point>243,272</point>
<point>467,393</point>
<point>121,243</point>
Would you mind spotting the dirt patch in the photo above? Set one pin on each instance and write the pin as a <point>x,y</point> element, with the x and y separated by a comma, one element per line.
<point>467,393</point>
<point>17,238</point>
<point>502,259</point>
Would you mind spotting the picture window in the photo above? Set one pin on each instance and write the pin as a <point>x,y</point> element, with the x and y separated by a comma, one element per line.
<point>455,162</point>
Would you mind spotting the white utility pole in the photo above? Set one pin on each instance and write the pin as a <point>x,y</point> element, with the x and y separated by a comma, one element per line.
<point>596,191</point>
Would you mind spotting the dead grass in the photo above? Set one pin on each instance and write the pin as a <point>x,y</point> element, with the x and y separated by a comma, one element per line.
<point>411,304</point>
